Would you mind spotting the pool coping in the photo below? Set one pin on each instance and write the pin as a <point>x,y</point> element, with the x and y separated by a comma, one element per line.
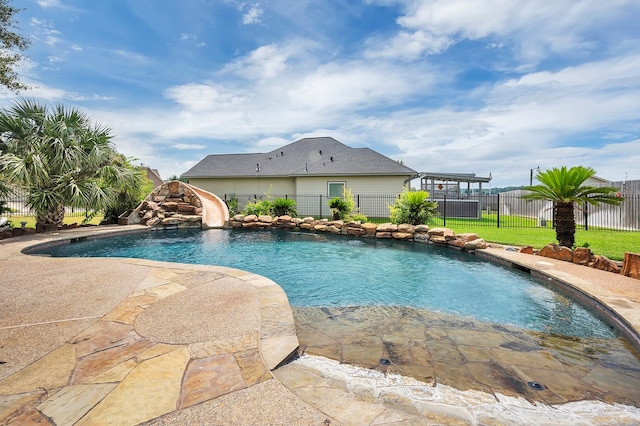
<point>618,300</point>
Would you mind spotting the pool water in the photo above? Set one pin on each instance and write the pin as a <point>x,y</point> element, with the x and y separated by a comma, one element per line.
<point>329,271</point>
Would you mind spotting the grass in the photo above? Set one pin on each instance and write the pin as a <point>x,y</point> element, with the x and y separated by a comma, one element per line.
<point>522,231</point>
<point>612,244</point>
<point>31,220</point>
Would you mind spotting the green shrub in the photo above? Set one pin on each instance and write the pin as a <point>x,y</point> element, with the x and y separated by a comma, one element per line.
<point>283,206</point>
<point>358,217</point>
<point>413,207</point>
<point>339,208</point>
<point>232,205</point>
<point>258,207</point>
<point>343,207</point>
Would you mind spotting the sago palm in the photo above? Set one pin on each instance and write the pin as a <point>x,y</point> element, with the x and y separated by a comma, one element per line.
<point>61,159</point>
<point>413,207</point>
<point>565,188</point>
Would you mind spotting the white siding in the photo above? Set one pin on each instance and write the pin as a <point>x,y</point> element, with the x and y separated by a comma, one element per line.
<point>251,186</point>
<point>372,193</point>
<point>357,184</point>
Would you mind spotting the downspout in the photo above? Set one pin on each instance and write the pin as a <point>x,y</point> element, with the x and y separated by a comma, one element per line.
<point>407,181</point>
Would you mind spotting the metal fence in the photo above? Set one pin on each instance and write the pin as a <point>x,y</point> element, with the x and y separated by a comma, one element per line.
<point>507,210</point>
<point>16,203</point>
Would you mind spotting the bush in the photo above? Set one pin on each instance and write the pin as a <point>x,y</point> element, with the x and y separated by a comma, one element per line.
<point>358,217</point>
<point>413,207</point>
<point>339,208</point>
<point>343,207</point>
<point>283,206</point>
<point>232,205</point>
<point>258,207</point>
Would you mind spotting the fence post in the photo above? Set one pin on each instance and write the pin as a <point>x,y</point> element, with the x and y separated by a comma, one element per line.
<point>358,201</point>
<point>498,217</point>
<point>444,210</point>
<point>320,213</point>
<point>586,216</point>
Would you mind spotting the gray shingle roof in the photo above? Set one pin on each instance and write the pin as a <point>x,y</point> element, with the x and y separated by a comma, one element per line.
<point>323,156</point>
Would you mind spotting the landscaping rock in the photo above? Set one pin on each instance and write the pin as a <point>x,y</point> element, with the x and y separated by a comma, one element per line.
<point>477,244</point>
<point>402,235</point>
<point>582,256</point>
<point>265,219</point>
<point>357,232</point>
<point>421,237</point>
<point>387,227</point>
<point>458,243</point>
<point>438,240</point>
<point>406,228</point>
<point>526,250</point>
<point>631,265</point>
<point>422,228</point>
<point>605,264</point>
<point>370,228</point>
<point>445,233</point>
<point>333,229</point>
<point>554,251</point>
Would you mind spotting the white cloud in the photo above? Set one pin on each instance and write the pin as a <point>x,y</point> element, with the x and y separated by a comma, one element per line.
<point>407,45</point>
<point>253,15</point>
<point>49,3</point>
<point>205,98</point>
<point>189,146</point>
<point>264,62</point>
<point>536,27</point>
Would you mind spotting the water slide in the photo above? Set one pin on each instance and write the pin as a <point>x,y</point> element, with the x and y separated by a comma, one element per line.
<point>215,213</point>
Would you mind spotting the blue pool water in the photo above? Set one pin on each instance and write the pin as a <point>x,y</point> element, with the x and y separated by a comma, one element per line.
<point>324,270</point>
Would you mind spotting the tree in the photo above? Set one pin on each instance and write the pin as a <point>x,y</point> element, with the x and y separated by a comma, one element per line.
<point>564,187</point>
<point>129,196</point>
<point>9,43</point>
<point>61,159</point>
<point>413,207</point>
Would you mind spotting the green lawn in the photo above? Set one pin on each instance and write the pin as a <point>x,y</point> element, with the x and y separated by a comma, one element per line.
<point>520,231</point>
<point>612,244</point>
<point>31,220</point>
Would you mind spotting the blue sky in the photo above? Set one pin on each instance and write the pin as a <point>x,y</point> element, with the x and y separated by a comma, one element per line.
<point>451,86</point>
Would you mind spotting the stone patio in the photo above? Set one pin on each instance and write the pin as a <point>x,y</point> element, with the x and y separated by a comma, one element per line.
<point>127,341</point>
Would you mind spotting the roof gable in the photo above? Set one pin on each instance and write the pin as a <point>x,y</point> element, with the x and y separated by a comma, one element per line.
<point>309,156</point>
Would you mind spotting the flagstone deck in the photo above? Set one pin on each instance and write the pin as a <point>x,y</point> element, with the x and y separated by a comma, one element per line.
<point>127,341</point>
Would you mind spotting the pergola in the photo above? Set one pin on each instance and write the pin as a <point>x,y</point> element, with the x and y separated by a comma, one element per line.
<point>438,184</point>
<point>445,178</point>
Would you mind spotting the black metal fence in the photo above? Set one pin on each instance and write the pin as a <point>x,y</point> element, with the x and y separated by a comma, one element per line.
<point>507,210</point>
<point>16,205</point>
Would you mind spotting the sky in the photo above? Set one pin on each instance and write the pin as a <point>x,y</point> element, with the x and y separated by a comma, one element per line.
<point>491,87</point>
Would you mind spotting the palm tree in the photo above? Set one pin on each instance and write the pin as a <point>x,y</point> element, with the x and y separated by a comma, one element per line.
<point>564,187</point>
<point>61,159</point>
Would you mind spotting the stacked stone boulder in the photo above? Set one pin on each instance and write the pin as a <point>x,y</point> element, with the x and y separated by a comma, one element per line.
<point>444,237</point>
<point>404,231</point>
<point>172,205</point>
<point>579,256</point>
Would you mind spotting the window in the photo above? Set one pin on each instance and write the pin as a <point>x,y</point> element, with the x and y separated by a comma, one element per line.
<point>335,189</point>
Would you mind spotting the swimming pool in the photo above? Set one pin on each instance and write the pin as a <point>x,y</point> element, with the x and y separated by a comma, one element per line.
<point>325,270</point>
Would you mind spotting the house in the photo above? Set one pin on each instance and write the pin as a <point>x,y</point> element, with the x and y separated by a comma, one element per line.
<point>154,176</point>
<point>319,167</point>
